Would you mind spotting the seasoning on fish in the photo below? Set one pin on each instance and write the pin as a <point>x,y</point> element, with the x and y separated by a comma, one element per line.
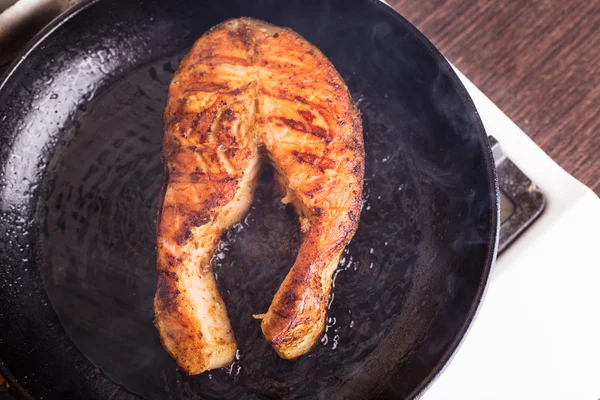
<point>250,93</point>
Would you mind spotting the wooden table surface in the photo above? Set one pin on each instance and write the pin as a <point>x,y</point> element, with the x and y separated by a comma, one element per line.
<point>538,60</point>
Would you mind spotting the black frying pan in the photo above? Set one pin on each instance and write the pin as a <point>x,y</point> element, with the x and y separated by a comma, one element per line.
<point>80,137</point>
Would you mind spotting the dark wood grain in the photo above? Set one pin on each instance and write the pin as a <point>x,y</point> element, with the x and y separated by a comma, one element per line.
<point>538,60</point>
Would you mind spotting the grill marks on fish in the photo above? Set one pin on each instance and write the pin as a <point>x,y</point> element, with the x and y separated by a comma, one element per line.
<point>246,91</point>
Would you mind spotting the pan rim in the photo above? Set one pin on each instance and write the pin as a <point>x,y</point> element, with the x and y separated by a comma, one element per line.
<point>471,110</point>
<point>32,45</point>
<point>494,192</point>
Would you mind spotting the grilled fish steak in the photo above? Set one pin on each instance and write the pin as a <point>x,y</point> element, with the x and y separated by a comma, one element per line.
<point>249,92</point>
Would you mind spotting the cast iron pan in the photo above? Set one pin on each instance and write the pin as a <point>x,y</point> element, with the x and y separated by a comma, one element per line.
<point>80,171</point>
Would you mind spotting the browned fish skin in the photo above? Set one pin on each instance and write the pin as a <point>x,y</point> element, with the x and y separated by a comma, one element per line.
<point>248,88</point>
<point>211,163</point>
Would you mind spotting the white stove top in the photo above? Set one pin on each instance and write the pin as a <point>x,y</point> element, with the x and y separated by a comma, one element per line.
<point>537,335</point>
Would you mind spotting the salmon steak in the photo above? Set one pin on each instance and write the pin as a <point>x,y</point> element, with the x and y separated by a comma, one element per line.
<point>250,94</point>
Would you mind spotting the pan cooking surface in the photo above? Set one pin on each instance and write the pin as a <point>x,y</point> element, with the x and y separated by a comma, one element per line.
<point>98,243</point>
<point>407,284</point>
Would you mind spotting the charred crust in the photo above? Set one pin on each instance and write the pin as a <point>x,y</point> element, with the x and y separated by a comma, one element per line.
<point>245,35</point>
<point>297,281</point>
<point>228,179</point>
<point>308,127</point>
<point>301,99</point>
<point>303,157</point>
<point>314,190</point>
<point>352,217</point>
<point>166,290</point>
<point>307,115</point>
<point>318,211</point>
<point>172,261</point>
<point>334,83</point>
<point>171,117</point>
<point>203,137</point>
<point>228,115</point>
<point>161,196</point>
<point>232,152</point>
<point>326,163</point>
<point>193,220</point>
<point>289,298</point>
<point>285,95</point>
<point>292,123</point>
<point>319,131</point>
<point>282,340</point>
<point>207,86</point>
<point>357,145</point>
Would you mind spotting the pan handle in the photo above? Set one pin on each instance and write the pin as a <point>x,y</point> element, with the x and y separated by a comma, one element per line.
<point>521,201</point>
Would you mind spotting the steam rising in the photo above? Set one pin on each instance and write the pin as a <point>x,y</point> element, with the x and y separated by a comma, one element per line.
<point>404,283</point>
